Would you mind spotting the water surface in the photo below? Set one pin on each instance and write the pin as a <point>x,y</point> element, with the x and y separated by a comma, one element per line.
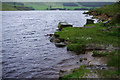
<point>27,52</point>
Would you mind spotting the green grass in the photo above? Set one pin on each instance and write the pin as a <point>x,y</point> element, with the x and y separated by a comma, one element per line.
<point>97,53</point>
<point>72,8</point>
<point>36,7</point>
<point>42,5</point>
<point>82,36</point>
<point>77,73</point>
<point>76,47</point>
<point>107,73</point>
<point>114,59</point>
<point>57,7</point>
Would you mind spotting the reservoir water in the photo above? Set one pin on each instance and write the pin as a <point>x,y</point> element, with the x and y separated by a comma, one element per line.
<point>27,52</point>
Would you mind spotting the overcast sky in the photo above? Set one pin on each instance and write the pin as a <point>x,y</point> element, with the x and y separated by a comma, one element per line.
<point>60,0</point>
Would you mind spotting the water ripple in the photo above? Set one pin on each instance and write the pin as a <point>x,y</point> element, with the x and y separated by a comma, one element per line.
<point>27,53</point>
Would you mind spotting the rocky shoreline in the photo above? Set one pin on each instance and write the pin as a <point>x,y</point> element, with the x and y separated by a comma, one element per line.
<point>59,42</point>
<point>96,40</point>
<point>93,61</point>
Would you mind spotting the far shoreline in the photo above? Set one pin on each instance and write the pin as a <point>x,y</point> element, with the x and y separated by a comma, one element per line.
<point>47,10</point>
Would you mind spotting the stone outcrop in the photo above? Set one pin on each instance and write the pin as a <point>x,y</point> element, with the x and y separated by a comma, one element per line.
<point>61,44</point>
<point>58,42</point>
<point>63,25</point>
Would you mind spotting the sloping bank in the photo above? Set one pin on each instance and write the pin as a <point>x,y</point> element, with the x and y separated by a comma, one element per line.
<point>93,37</point>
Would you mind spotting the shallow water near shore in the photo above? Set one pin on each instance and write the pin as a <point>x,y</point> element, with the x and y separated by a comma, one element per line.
<point>27,52</point>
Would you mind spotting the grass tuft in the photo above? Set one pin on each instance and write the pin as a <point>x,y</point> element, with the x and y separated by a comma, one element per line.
<point>77,73</point>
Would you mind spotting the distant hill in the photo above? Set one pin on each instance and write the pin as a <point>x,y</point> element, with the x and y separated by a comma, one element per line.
<point>14,6</point>
<point>53,5</point>
<point>95,4</point>
<point>66,5</point>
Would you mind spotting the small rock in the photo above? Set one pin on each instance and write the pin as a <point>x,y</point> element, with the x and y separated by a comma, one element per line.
<point>66,42</point>
<point>49,35</point>
<point>103,68</point>
<point>62,40</point>
<point>57,40</point>
<point>62,71</point>
<point>85,58</point>
<point>57,29</point>
<point>77,62</point>
<point>52,39</point>
<point>81,59</point>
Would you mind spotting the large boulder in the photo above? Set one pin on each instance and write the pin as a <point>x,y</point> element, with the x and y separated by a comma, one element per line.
<point>63,25</point>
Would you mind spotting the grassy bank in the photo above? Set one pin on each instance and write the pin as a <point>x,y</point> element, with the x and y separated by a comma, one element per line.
<point>77,73</point>
<point>113,62</point>
<point>112,72</point>
<point>99,34</point>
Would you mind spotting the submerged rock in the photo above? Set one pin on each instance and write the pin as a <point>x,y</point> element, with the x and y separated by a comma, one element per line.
<point>49,35</point>
<point>63,25</point>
